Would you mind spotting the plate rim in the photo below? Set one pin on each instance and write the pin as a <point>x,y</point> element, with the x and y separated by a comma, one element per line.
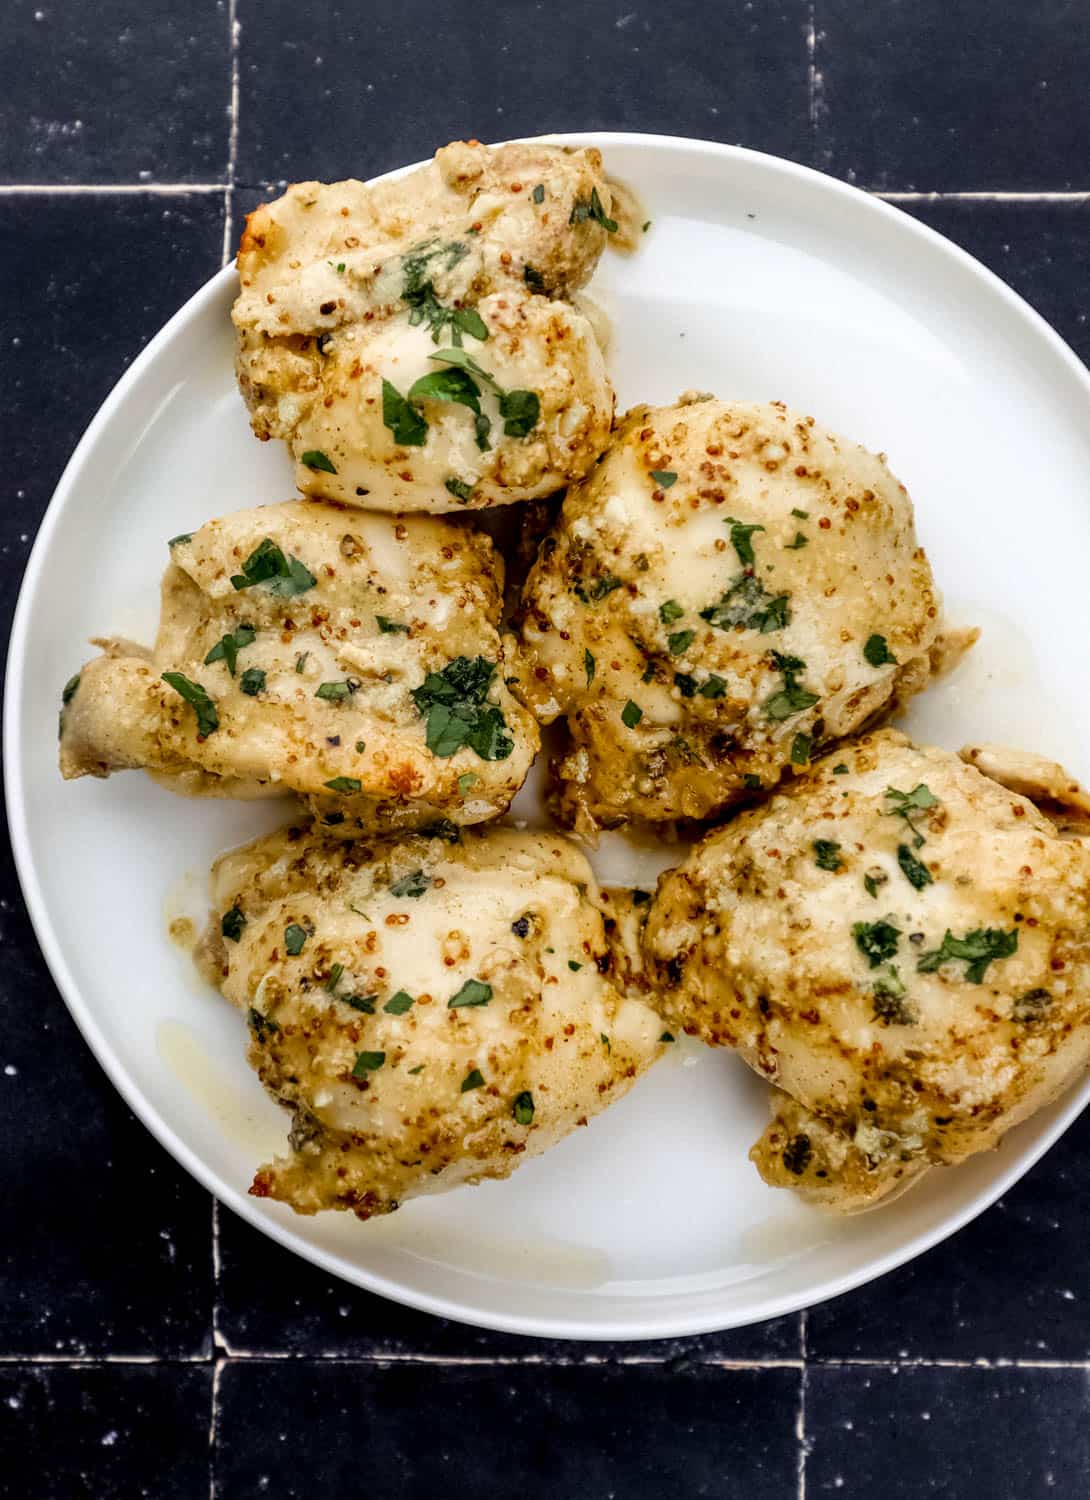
<point>664,1324</point>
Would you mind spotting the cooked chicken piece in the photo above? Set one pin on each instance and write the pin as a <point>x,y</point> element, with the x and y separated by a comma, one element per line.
<point>732,590</point>
<point>414,341</point>
<point>897,941</point>
<point>430,1012</point>
<point>353,659</point>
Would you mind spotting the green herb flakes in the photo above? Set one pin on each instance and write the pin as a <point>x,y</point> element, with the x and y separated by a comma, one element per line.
<point>905,804</point>
<point>459,488</point>
<point>252,682</point>
<point>877,941</point>
<point>914,870</point>
<point>406,424</point>
<point>538,193</point>
<point>878,653</point>
<point>680,641</point>
<point>589,666</point>
<point>314,458</point>
<point>827,854</point>
<point>977,949</point>
<point>364,1003</point>
<point>631,714</point>
<point>333,979</point>
<point>208,720</point>
<point>466,782</point>
<point>367,1062</point>
<point>232,922</point>
<point>523,1109</point>
<point>343,784</point>
<point>800,750</point>
<point>262,1026</point>
<point>472,993</point>
<point>791,699</point>
<point>398,1004</point>
<point>454,703</point>
<point>748,604</point>
<point>390,627</point>
<point>283,575</point>
<point>740,535</point>
<point>294,938</point>
<point>591,208</point>
<point>664,478</point>
<point>413,885</point>
<point>473,1080</point>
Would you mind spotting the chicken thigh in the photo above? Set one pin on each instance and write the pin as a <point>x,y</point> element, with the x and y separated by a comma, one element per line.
<point>352,659</point>
<point>414,342</point>
<point>430,1011</point>
<point>901,944</point>
<point>731,590</point>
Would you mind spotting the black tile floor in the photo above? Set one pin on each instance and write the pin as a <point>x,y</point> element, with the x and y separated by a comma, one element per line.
<point>152,1344</point>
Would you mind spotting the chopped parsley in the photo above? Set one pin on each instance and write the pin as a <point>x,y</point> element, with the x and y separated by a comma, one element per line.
<point>263,1026</point>
<point>335,692</point>
<point>827,854</point>
<point>367,1062</point>
<point>473,1080</point>
<point>589,665</point>
<point>314,458</point>
<point>871,883</point>
<point>294,938</point>
<point>232,922</point>
<point>840,770</point>
<point>631,714</point>
<point>1029,1007</point>
<point>443,829</point>
<point>670,611</point>
<point>977,949</point>
<point>878,653</point>
<point>227,647</point>
<point>466,782</point>
<point>891,1004</point>
<point>364,1003</point>
<point>181,539</point>
<point>208,720</point>
<point>301,660</point>
<point>573,966</point>
<point>538,193</point>
<point>914,870</point>
<point>791,699</point>
<point>598,589</point>
<point>713,687</point>
<point>800,750</point>
<point>398,1004</point>
<point>334,978</point>
<point>418,1069</point>
<point>877,941</point>
<point>458,488</point>
<point>919,799</point>
<point>413,885</point>
<point>406,424</point>
<point>667,1036</point>
<point>533,278</point>
<point>343,784</point>
<point>252,681</point>
<point>591,208</point>
<point>453,702</point>
<point>520,410</point>
<point>605,1041</point>
<point>284,575</point>
<point>391,627</point>
<point>664,478</point>
<point>798,544</point>
<point>523,1109</point>
<point>748,604</point>
<point>803,515</point>
<point>680,641</point>
<point>472,993</point>
<point>740,535</point>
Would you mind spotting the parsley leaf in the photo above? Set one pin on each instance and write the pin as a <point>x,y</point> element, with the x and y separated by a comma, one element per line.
<point>398,1004</point>
<point>791,699</point>
<point>406,424</point>
<point>414,884</point>
<point>978,949</point>
<point>680,641</point>
<point>466,782</point>
<point>919,799</point>
<point>472,1080</point>
<point>827,854</point>
<point>631,714</point>
<point>523,1109</point>
<point>891,1004</point>
<point>713,687</point>
<point>181,539</point>
<point>447,385</point>
<point>294,938</point>
<point>914,870</point>
<point>334,979</point>
<point>314,458</point>
<point>747,603</point>
<point>343,784</point>
<point>877,941</point>
<point>520,411</point>
<point>364,1003</point>
<point>533,279</point>
<point>591,208</point>
<point>538,193</point>
<point>664,478</point>
<point>590,666</point>
<point>252,681</point>
<point>670,611</point>
<point>458,488</point>
<point>798,544</point>
<point>472,993</point>
<point>740,540</point>
<point>453,702</point>
<point>232,922</point>
<point>267,564</point>
<point>263,1026</point>
<point>208,720</point>
<point>391,627</point>
<point>800,750</point>
<point>367,1062</point>
<point>878,653</point>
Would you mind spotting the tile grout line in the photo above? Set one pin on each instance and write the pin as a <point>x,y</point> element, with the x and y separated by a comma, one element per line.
<point>232,139</point>
<point>181,189</point>
<point>225,1355</point>
<point>979,197</point>
<point>213,1427</point>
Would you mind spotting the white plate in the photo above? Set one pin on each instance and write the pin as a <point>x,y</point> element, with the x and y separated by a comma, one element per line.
<point>759,280</point>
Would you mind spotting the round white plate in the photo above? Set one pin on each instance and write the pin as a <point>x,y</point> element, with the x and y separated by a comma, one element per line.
<point>758,280</point>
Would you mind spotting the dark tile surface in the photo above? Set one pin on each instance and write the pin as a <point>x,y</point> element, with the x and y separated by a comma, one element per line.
<point>372,87</point>
<point>1014,1284</point>
<point>107,1432</point>
<point>631,1433</point>
<point>1034,247</point>
<point>910,1433</point>
<point>298,1309</point>
<point>921,94</point>
<point>87,279</point>
<point>118,91</point>
<point>79,302</point>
